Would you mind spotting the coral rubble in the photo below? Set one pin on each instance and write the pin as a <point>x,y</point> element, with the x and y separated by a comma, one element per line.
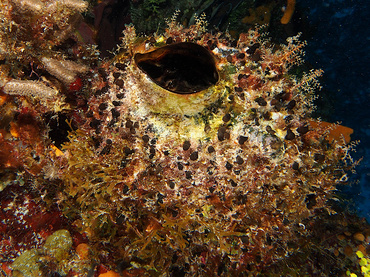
<point>190,153</point>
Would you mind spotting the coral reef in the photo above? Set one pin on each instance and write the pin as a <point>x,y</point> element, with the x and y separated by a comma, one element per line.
<point>189,153</point>
<point>31,34</point>
<point>221,175</point>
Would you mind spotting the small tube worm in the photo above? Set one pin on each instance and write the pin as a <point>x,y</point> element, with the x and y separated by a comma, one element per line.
<point>29,88</point>
<point>57,69</point>
<point>39,7</point>
<point>75,67</point>
<point>77,5</point>
<point>66,71</point>
<point>34,6</point>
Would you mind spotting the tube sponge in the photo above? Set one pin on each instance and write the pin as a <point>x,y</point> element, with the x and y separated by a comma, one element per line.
<point>289,10</point>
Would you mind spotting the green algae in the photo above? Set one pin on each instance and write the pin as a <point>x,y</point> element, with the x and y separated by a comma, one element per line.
<point>26,265</point>
<point>58,244</point>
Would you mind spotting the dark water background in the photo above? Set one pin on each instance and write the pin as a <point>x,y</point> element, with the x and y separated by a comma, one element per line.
<point>340,46</point>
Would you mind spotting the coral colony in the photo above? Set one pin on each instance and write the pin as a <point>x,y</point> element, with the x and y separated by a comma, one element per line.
<point>188,154</point>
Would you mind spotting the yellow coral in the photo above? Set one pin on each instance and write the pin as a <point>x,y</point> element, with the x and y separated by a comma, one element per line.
<point>364,262</point>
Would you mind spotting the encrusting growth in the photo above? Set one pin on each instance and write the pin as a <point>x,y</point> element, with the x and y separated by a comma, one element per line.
<point>30,30</point>
<point>226,174</point>
<point>189,153</point>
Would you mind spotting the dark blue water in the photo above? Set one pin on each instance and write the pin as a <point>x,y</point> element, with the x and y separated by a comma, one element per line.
<point>340,46</point>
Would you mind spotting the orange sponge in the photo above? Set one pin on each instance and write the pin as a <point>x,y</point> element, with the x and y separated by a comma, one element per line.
<point>335,132</point>
<point>288,12</point>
